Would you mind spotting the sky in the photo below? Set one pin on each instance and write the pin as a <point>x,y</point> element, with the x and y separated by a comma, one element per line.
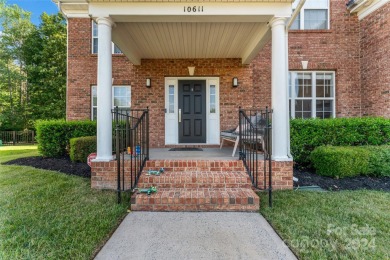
<point>36,7</point>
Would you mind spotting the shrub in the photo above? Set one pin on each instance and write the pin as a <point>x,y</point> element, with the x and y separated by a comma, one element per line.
<point>53,135</point>
<point>307,134</point>
<point>379,160</point>
<point>341,161</point>
<point>81,147</point>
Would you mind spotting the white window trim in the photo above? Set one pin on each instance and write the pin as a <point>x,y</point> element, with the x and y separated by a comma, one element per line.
<point>113,97</point>
<point>314,97</point>
<point>301,15</point>
<point>96,37</point>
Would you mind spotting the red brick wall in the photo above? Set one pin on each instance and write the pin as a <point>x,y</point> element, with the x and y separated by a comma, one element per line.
<point>336,50</point>
<point>375,62</point>
<point>82,75</point>
<point>82,69</point>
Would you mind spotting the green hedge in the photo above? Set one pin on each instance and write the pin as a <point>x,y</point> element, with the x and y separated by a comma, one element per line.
<point>53,135</point>
<point>81,147</point>
<point>307,134</point>
<point>349,161</point>
<point>379,161</point>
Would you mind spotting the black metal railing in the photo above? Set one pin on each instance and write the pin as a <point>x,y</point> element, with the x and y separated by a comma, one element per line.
<point>130,145</point>
<point>17,137</point>
<point>255,145</point>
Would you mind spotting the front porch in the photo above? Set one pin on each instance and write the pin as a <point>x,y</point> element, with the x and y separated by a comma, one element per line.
<point>208,180</point>
<point>208,154</point>
<point>204,179</point>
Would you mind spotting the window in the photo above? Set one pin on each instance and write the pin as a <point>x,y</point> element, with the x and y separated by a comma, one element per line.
<point>212,99</point>
<point>314,15</point>
<point>121,97</point>
<point>171,99</point>
<point>115,49</point>
<point>312,94</point>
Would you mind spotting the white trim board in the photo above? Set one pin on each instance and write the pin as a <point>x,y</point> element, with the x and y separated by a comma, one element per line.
<point>212,119</point>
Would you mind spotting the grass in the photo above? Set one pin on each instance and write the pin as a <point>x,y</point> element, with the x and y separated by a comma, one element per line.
<point>8,153</point>
<point>49,215</point>
<point>332,225</point>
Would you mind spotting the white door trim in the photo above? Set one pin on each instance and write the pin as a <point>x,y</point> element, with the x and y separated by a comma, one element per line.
<point>171,119</point>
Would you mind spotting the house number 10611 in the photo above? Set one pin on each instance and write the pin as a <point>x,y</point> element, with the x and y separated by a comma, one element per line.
<point>193,9</point>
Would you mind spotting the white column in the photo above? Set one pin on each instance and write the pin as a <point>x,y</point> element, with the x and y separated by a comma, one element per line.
<point>280,118</point>
<point>104,90</point>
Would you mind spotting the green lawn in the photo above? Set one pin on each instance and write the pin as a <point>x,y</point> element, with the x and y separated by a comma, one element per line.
<point>8,153</point>
<point>332,225</point>
<point>49,215</point>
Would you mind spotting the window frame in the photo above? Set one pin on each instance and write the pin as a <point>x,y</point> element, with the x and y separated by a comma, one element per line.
<point>97,38</point>
<point>313,97</point>
<point>113,98</point>
<point>309,6</point>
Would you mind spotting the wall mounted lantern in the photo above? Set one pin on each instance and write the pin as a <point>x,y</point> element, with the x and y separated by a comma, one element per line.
<point>235,82</point>
<point>148,82</point>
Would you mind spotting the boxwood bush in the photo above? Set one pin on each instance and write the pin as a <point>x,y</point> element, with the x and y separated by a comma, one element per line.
<point>81,147</point>
<point>349,161</point>
<point>53,136</point>
<point>307,134</point>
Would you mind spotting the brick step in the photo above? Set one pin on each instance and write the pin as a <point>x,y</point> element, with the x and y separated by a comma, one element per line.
<point>196,165</point>
<point>196,180</point>
<point>201,199</point>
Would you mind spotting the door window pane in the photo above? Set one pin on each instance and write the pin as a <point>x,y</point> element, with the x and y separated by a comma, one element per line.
<point>171,99</point>
<point>212,99</point>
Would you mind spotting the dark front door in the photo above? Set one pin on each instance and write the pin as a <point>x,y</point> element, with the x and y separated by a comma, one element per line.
<point>192,111</point>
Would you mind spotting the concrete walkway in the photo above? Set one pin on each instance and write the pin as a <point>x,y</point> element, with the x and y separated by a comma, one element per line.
<point>193,235</point>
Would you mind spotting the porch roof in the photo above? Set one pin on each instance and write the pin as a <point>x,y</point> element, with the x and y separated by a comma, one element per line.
<point>169,30</point>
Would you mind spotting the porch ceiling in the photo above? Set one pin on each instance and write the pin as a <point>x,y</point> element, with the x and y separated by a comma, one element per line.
<point>190,40</point>
<point>170,30</point>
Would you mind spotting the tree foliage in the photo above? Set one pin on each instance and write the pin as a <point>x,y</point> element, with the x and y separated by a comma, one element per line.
<point>45,56</point>
<point>32,68</point>
<point>16,28</point>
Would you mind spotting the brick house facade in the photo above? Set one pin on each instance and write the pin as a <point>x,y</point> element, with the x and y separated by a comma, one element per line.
<point>354,50</point>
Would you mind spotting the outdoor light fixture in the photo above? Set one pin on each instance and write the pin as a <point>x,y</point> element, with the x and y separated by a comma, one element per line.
<point>235,82</point>
<point>191,71</point>
<point>148,82</point>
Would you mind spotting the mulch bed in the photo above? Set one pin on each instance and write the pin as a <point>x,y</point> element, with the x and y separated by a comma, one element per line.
<point>63,164</point>
<point>306,178</point>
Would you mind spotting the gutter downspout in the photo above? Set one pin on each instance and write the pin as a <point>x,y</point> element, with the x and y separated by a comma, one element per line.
<point>288,25</point>
<point>295,14</point>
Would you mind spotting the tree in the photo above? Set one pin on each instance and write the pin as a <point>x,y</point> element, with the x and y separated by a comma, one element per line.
<point>45,57</point>
<point>32,68</point>
<point>16,27</point>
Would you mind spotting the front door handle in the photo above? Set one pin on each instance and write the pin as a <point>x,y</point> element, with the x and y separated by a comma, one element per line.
<point>179,115</point>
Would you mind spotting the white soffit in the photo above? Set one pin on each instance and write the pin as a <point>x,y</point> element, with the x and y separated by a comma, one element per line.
<point>167,31</point>
<point>182,40</point>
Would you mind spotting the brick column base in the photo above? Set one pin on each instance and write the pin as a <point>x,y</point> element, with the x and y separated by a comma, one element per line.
<point>282,175</point>
<point>104,175</point>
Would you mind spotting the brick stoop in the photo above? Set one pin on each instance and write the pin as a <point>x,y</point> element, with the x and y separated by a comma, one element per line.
<point>196,186</point>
